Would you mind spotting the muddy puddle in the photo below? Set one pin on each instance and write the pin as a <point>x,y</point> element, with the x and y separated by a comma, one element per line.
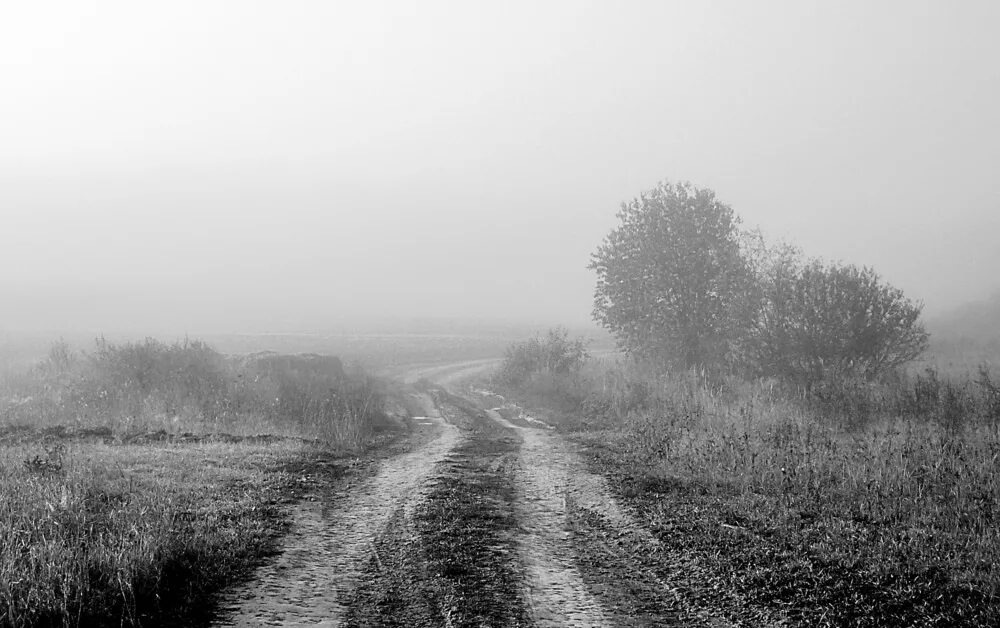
<point>333,538</point>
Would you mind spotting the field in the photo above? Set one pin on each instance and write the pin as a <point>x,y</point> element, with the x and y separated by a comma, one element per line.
<point>147,483</point>
<point>99,533</point>
<point>138,479</point>
<point>854,504</point>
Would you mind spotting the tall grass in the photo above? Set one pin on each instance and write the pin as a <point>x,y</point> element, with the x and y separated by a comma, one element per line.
<point>189,387</point>
<point>130,535</point>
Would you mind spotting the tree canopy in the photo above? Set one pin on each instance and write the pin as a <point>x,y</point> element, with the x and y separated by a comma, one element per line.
<point>671,275</point>
<point>679,281</point>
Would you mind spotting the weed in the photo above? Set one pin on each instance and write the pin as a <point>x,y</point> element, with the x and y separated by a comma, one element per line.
<point>52,462</point>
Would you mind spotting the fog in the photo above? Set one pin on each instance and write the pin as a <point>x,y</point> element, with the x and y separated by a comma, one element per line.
<point>238,166</point>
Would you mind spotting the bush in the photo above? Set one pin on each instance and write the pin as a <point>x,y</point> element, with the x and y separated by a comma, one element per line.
<point>151,385</point>
<point>185,377</point>
<point>829,320</point>
<point>555,354</point>
<point>312,392</point>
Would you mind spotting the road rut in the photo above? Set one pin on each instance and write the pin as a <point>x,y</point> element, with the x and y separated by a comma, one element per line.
<point>332,539</point>
<point>557,593</point>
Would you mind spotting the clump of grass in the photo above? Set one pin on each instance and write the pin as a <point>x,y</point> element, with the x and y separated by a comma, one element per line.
<point>50,463</point>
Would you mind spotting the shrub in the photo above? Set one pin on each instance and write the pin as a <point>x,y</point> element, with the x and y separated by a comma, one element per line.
<point>555,354</point>
<point>151,385</point>
<point>818,320</point>
<point>185,376</point>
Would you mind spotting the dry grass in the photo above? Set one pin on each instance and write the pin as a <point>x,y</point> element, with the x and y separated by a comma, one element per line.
<point>124,535</point>
<point>128,495</point>
<point>881,516</point>
<point>187,387</point>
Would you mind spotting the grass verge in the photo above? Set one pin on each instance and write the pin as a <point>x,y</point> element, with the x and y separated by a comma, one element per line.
<point>819,569</point>
<point>135,534</point>
<point>881,521</point>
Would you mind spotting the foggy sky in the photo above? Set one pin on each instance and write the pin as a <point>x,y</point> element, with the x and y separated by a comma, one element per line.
<point>231,166</point>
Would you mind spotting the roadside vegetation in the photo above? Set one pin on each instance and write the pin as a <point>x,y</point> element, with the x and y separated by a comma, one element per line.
<point>151,386</point>
<point>779,420</point>
<point>138,479</point>
<point>868,505</point>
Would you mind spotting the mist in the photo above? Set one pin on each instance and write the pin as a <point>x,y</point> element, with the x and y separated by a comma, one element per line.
<point>212,167</point>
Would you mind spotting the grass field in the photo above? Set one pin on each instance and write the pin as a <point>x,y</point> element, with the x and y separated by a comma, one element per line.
<point>108,534</point>
<point>138,479</point>
<point>857,504</point>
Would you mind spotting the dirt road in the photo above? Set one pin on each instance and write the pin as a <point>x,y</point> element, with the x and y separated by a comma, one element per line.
<point>332,538</point>
<point>445,374</point>
<point>485,521</point>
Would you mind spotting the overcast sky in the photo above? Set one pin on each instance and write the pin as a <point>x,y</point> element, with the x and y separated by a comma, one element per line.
<point>248,165</point>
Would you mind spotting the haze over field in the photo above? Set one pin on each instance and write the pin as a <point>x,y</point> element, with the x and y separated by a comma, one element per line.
<point>231,166</point>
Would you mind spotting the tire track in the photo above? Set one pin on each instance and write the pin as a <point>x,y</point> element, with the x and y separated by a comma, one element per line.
<point>445,374</point>
<point>453,559</point>
<point>332,540</point>
<point>601,558</point>
<point>556,591</point>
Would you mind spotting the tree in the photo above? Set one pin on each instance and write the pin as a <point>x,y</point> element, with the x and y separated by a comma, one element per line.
<point>819,318</point>
<point>775,267</point>
<point>671,278</point>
